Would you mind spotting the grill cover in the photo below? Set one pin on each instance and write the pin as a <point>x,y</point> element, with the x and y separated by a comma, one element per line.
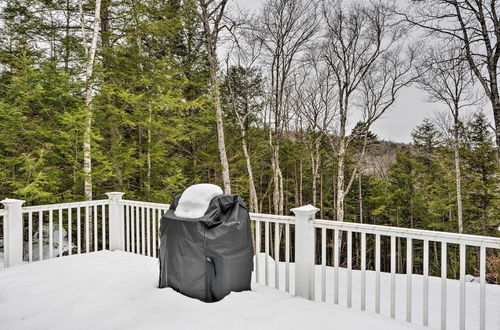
<point>208,257</point>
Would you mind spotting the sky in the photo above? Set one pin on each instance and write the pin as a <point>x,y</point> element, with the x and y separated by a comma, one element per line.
<point>409,110</point>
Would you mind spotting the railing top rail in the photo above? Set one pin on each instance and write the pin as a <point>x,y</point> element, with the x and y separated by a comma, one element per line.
<point>148,204</point>
<point>272,218</point>
<point>48,207</point>
<point>454,238</point>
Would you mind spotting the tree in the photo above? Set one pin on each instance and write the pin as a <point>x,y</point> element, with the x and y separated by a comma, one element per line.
<point>283,28</point>
<point>475,26</point>
<point>446,78</point>
<point>482,176</point>
<point>314,102</point>
<point>90,53</point>
<point>359,47</point>
<point>242,91</point>
<point>211,13</point>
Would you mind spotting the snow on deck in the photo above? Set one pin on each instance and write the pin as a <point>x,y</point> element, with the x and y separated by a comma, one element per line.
<point>117,290</point>
<point>472,295</point>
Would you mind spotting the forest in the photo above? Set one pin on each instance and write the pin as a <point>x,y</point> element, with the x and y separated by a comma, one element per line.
<point>148,97</point>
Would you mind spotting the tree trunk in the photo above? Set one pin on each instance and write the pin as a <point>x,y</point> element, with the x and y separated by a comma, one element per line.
<point>254,203</point>
<point>211,34</point>
<point>321,195</point>
<point>360,197</point>
<point>300,183</point>
<point>340,181</point>
<point>87,156</point>
<point>456,147</point>
<point>496,114</point>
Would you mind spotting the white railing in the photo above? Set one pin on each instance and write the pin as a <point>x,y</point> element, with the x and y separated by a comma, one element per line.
<point>80,226</point>
<point>411,238</point>
<point>142,223</point>
<point>299,245</point>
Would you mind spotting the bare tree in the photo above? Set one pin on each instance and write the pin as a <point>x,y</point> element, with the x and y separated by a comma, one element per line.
<point>475,25</point>
<point>360,48</point>
<point>211,13</point>
<point>446,78</point>
<point>90,54</point>
<point>283,28</point>
<point>314,96</point>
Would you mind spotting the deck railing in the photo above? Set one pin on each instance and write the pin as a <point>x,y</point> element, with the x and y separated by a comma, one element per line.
<point>298,254</point>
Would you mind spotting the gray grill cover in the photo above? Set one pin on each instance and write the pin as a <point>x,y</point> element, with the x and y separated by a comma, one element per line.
<point>206,258</point>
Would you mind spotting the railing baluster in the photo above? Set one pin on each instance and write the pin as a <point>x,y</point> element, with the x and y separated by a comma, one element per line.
<point>103,220</point>
<point>323,264</point>
<point>78,231</point>
<point>95,228</point>
<point>425,313</point>
<point>87,229</point>
<point>132,228</point>
<point>266,250</point>
<point>462,286</point>
<point>137,231</point>
<point>443,284</point>
<point>30,236</point>
<point>287,257</point>
<point>148,231</point>
<point>257,251</point>
<point>51,234</point>
<point>40,235</point>
<point>336,256</point>
<point>393,276</point>
<point>482,294</point>
<point>409,271</point>
<point>277,255</point>
<point>143,233</point>
<point>349,269</point>
<point>127,228</point>
<point>363,271</point>
<point>377,273</point>
<point>155,234</point>
<point>60,233</point>
<point>70,239</point>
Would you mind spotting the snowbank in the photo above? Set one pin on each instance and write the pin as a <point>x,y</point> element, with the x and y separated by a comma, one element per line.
<point>195,200</point>
<point>117,290</point>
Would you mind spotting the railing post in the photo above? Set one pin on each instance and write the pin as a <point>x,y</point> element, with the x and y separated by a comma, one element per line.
<point>13,232</point>
<point>116,221</point>
<point>304,250</point>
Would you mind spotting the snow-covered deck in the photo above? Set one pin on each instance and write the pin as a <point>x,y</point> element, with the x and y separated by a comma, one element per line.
<point>117,290</point>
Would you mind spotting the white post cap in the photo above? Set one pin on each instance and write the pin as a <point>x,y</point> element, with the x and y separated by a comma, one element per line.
<point>10,201</point>
<point>306,209</point>
<point>115,195</point>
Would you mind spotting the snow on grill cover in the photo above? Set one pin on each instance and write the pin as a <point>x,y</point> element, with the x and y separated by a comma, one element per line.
<point>207,257</point>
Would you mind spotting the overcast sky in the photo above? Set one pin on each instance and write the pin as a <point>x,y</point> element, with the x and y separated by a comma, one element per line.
<point>410,108</point>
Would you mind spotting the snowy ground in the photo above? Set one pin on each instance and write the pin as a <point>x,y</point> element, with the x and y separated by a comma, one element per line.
<point>117,290</point>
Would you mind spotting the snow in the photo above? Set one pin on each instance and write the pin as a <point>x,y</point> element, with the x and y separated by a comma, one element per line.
<point>453,297</point>
<point>195,200</point>
<point>46,243</point>
<point>305,209</point>
<point>117,290</point>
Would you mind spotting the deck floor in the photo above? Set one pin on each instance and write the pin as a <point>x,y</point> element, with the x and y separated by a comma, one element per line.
<point>117,290</point>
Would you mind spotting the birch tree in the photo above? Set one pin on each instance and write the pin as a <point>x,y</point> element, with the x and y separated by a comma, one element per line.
<point>283,28</point>
<point>447,79</point>
<point>315,105</point>
<point>243,88</point>
<point>90,54</point>
<point>211,13</point>
<point>359,45</point>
